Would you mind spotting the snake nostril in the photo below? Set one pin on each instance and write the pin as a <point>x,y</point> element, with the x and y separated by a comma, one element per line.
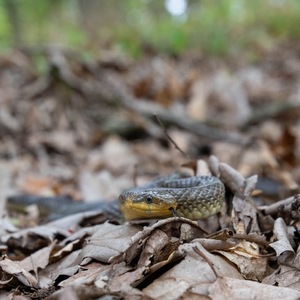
<point>173,211</point>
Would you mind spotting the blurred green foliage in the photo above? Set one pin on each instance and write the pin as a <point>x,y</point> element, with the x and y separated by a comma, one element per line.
<point>213,27</point>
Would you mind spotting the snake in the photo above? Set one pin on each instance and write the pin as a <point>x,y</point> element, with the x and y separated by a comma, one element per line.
<point>195,197</point>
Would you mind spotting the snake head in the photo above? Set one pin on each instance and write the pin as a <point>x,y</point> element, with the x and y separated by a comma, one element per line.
<point>147,204</point>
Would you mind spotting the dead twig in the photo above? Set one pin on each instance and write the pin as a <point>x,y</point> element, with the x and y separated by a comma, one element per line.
<point>251,238</point>
<point>170,139</point>
<point>211,264</point>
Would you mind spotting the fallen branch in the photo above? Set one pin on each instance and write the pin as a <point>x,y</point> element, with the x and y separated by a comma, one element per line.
<point>148,109</point>
<point>113,92</point>
<point>272,110</point>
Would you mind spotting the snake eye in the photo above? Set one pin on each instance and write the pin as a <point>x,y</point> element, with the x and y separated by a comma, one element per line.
<point>149,199</point>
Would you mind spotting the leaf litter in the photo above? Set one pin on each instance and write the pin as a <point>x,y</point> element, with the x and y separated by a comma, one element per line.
<point>249,250</point>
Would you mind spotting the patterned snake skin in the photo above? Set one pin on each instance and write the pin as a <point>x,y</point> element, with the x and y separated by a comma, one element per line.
<point>192,197</point>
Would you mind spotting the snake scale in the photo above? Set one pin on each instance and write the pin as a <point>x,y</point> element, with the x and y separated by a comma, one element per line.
<point>196,197</point>
<point>173,195</point>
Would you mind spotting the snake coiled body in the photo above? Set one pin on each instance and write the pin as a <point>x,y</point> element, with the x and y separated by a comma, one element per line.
<point>196,197</point>
<point>191,197</point>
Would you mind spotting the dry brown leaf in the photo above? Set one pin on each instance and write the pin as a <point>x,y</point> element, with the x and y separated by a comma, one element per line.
<point>126,282</point>
<point>64,227</point>
<point>248,260</point>
<point>191,271</point>
<point>202,168</point>
<point>39,259</point>
<point>220,266</point>
<point>88,275</point>
<point>257,158</point>
<point>287,274</point>
<point>35,238</point>
<point>69,247</point>
<point>66,293</point>
<point>282,246</point>
<point>276,207</point>
<point>4,281</point>
<point>197,105</point>
<point>111,156</point>
<point>101,280</point>
<point>62,141</point>
<point>284,149</point>
<point>80,234</point>
<point>284,276</point>
<point>244,213</point>
<point>159,250</point>
<point>233,179</point>
<point>154,248</point>
<point>234,289</point>
<point>15,269</point>
<point>37,185</point>
<point>244,217</point>
<point>107,242</point>
<point>66,266</point>
<point>214,164</point>
<point>187,229</point>
<point>173,283</point>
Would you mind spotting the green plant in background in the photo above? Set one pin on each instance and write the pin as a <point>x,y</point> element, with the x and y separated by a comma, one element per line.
<point>222,27</point>
<point>214,27</point>
<point>5,28</point>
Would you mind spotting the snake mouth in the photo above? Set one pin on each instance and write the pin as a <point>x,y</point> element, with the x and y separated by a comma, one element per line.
<point>145,211</point>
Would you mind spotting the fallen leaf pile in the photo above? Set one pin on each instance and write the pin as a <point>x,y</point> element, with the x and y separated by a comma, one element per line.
<point>88,130</point>
<point>230,254</point>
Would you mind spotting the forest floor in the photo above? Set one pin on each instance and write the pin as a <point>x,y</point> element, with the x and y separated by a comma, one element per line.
<point>91,129</point>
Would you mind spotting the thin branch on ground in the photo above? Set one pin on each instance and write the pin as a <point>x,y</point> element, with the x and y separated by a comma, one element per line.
<point>170,139</point>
